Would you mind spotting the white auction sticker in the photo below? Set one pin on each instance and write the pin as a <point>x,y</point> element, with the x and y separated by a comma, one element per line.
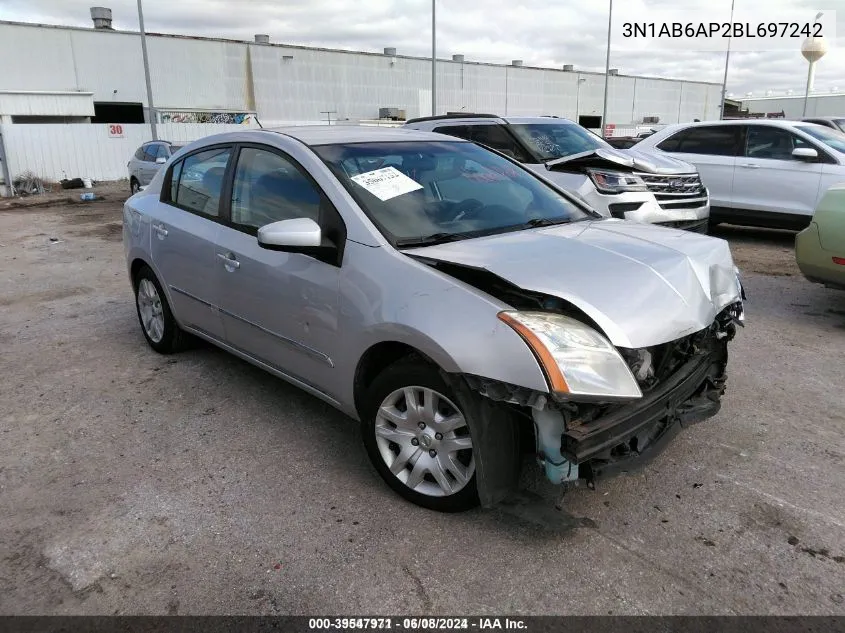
<point>386,183</point>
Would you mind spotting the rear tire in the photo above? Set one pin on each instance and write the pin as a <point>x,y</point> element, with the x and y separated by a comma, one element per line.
<point>417,437</point>
<point>157,323</point>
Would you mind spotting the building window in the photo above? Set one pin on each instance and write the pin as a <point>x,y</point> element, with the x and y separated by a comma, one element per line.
<point>108,112</point>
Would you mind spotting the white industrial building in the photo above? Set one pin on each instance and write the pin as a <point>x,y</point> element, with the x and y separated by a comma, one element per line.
<point>70,75</point>
<point>282,83</point>
<point>792,106</point>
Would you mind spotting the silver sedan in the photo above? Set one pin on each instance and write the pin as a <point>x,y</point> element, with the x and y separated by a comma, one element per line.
<point>464,309</point>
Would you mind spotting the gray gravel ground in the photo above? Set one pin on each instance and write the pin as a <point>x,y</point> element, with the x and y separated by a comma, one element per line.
<point>135,483</point>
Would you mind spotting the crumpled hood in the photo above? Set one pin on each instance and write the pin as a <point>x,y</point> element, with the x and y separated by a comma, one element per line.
<point>608,157</point>
<point>642,284</point>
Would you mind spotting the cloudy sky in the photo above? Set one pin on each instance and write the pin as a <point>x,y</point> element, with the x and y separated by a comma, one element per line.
<point>540,32</point>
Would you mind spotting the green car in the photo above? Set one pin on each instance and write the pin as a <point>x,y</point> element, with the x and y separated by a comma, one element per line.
<point>820,248</point>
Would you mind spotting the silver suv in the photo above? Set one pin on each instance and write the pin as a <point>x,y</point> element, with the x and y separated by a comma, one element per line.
<point>618,183</point>
<point>446,297</point>
<point>146,162</point>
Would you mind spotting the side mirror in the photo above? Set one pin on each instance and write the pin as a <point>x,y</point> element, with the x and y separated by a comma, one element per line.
<point>161,160</point>
<point>300,235</point>
<point>805,153</point>
<point>287,234</point>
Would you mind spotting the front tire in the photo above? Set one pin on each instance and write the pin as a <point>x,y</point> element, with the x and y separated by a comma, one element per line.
<point>134,185</point>
<point>417,436</point>
<point>157,323</point>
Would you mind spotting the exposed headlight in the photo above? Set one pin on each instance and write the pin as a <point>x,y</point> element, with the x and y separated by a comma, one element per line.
<point>577,360</point>
<point>615,181</point>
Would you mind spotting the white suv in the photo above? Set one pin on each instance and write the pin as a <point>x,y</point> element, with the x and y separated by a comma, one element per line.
<point>617,183</point>
<point>760,172</point>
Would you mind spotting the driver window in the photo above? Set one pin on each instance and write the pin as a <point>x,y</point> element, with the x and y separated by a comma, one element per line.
<point>269,188</point>
<point>771,142</point>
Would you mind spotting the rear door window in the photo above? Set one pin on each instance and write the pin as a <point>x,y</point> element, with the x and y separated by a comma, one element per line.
<point>715,140</point>
<point>197,181</point>
<point>489,135</point>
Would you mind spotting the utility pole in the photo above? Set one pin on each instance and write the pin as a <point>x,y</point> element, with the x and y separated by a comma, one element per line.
<point>727,59</point>
<point>433,58</point>
<point>606,70</point>
<point>151,107</point>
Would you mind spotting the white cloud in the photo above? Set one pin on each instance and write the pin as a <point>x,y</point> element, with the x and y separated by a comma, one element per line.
<point>540,32</point>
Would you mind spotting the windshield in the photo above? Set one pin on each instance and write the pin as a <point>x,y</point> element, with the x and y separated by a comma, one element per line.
<point>556,140</point>
<point>428,192</point>
<point>826,135</point>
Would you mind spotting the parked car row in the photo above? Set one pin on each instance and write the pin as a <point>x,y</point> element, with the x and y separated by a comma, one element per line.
<point>465,307</point>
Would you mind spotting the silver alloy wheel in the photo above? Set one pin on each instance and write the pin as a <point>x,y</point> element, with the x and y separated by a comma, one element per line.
<point>149,307</point>
<point>424,440</point>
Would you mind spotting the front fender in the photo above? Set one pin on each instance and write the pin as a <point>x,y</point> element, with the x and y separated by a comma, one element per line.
<point>449,321</point>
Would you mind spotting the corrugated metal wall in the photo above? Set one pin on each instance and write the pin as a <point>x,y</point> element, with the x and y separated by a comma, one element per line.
<point>298,84</point>
<point>54,152</point>
<point>793,107</point>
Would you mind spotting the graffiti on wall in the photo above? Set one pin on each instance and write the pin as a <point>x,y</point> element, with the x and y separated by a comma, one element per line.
<point>237,118</point>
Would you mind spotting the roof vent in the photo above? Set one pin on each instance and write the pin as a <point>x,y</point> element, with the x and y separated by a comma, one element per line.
<point>613,71</point>
<point>516,62</point>
<point>261,38</point>
<point>568,67</point>
<point>101,17</point>
<point>390,51</point>
<point>458,58</point>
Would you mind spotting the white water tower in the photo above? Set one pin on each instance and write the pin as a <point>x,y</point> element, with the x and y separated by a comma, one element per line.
<point>813,49</point>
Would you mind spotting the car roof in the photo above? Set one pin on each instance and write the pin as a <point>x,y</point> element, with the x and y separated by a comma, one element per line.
<point>786,123</point>
<point>333,134</point>
<point>490,118</point>
<point>538,120</point>
<point>825,118</point>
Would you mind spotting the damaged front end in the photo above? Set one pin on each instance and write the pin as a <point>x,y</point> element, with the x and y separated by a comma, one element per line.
<point>635,186</point>
<point>583,440</point>
<point>682,383</point>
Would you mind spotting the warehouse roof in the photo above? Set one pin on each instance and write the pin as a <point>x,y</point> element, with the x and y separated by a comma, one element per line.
<point>350,52</point>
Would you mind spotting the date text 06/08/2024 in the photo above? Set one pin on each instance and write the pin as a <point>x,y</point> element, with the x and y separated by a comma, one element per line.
<point>722,29</point>
<point>416,624</point>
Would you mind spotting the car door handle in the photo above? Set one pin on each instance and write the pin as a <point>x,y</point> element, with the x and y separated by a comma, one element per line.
<point>229,260</point>
<point>750,166</point>
<point>159,228</point>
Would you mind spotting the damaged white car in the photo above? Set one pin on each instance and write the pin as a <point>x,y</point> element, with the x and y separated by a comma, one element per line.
<point>448,298</point>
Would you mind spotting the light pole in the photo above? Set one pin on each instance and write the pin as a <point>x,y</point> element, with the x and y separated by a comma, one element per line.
<point>433,57</point>
<point>727,59</point>
<point>151,107</point>
<point>607,70</point>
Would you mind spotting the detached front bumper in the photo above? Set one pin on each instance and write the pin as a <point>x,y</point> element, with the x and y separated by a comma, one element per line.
<point>631,436</point>
<point>586,442</point>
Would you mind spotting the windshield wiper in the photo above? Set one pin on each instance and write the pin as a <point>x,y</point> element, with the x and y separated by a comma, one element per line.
<point>536,222</point>
<point>430,240</point>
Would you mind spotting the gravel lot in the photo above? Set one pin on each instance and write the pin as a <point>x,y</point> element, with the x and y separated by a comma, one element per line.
<point>135,483</point>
